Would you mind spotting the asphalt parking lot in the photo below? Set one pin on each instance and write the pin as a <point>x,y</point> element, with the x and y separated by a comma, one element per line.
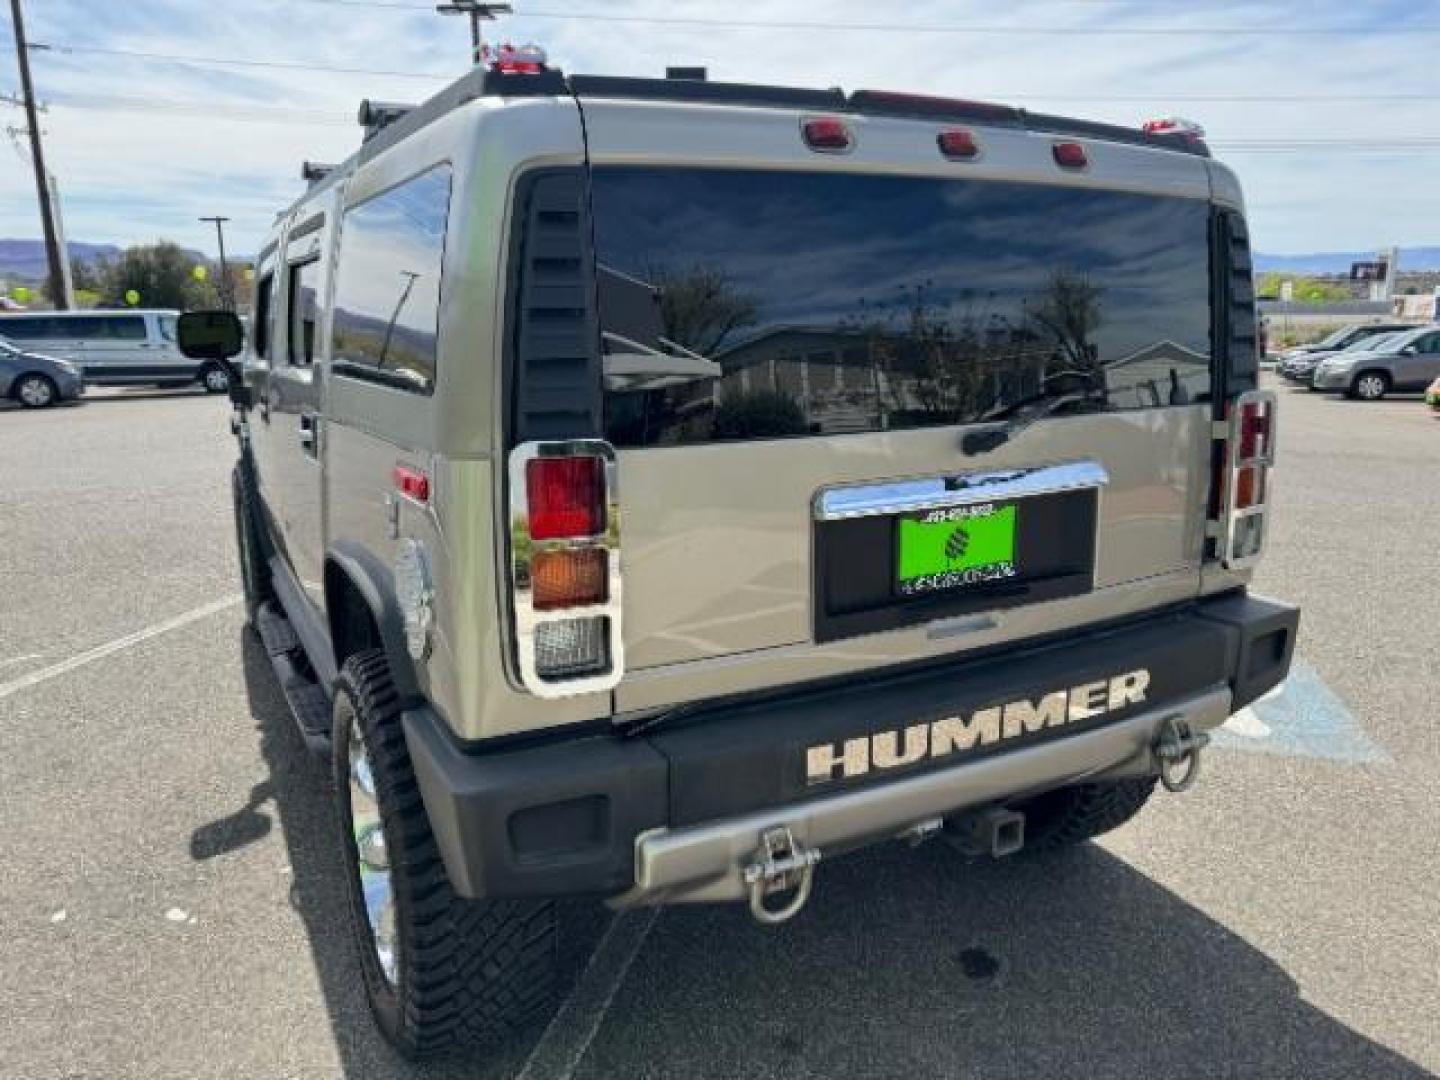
<point>170,907</point>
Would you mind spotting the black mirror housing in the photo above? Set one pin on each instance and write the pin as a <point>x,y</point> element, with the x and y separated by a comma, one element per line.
<point>210,335</point>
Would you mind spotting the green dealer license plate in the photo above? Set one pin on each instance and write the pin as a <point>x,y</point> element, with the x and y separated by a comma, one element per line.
<point>956,547</point>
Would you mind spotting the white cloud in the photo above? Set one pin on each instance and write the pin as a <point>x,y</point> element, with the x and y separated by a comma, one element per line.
<point>131,176</point>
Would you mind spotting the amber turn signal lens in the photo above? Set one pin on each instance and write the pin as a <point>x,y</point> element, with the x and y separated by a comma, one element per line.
<point>569,578</point>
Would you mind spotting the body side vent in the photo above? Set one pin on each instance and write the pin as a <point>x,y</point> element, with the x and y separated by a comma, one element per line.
<point>556,367</point>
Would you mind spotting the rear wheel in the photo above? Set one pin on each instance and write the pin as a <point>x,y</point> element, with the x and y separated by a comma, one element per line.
<point>1370,385</point>
<point>254,575</point>
<point>440,972</point>
<point>35,391</point>
<point>1071,815</point>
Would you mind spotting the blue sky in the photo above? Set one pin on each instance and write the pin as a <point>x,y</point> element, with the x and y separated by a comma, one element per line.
<point>143,147</point>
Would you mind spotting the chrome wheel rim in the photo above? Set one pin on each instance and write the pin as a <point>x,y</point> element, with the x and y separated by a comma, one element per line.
<point>35,392</point>
<point>372,861</point>
<point>217,380</point>
<point>1371,387</point>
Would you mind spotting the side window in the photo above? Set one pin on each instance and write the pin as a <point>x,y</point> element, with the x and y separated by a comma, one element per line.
<point>1430,344</point>
<point>74,329</point>
<point>25,329</point>
<point>260,316</point>
<point>387,293</point>
<point>121,328</point>
<point>304,310</point>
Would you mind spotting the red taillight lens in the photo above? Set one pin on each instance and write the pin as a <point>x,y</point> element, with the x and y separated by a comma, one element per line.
<point>958,144</point>
<point>1070,155</point>
<point>569,578</point>
<point>1254,426</point>
<point>412,483</point>
<point>565,497</point>
<point>828,134</point>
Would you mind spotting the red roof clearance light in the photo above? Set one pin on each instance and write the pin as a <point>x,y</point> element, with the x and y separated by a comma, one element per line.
<point>828,135</point>
<point>565,497</point>
<point>1174,125</point>
<point>528,59</point>
<point>1071,155</point>
<point>958,144</point>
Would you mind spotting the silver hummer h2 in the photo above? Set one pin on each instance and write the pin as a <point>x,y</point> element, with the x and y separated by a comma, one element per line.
<point>654,489</point>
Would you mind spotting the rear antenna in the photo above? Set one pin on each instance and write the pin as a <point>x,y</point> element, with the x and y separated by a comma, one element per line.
<point>479,12</point>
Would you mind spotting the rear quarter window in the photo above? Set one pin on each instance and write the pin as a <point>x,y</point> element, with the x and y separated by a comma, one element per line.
<point>385,325</point>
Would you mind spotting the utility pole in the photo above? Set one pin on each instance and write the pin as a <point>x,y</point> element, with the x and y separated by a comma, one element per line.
<point>37,158</point>
<point>479,12</point>
<point>226,298</point>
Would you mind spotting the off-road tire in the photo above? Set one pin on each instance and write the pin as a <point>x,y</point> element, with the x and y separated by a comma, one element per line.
<point>1072,815</point>
<point>45,395</point>
<point>469,972</point>
<point>1360,386</point>
<point>254,573</point>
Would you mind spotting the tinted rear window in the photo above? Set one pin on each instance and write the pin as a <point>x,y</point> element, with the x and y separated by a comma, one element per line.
<point>766,304</point>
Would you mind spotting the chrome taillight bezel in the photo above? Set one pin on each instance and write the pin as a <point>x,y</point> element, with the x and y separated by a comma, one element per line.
<point>1226,529</point>
<point>521,549</point>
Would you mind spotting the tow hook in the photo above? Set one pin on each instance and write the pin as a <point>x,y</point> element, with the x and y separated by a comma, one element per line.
<point>782,864</point>
<point>1178,749</point>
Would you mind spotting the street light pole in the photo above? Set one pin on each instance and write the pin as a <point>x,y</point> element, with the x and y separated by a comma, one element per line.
<point>226,298</point>
<point>479,12</point>
<point>37,158</point>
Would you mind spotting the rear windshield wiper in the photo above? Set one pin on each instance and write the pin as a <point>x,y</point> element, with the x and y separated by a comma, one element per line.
<point>1023,413</point>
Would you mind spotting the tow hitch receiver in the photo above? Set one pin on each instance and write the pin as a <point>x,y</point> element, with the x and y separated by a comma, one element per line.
<point>781,865</point>
<point>1177,748</point>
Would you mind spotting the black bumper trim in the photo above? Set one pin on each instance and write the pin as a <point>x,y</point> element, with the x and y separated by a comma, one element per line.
<point>562,818</point>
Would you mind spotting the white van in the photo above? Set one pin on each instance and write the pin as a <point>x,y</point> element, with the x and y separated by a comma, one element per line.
<point>114,348</point>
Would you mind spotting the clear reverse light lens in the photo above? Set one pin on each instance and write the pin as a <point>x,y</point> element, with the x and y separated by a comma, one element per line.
<point>570,648</point>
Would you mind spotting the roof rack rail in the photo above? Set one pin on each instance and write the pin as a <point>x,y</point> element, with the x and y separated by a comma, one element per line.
<point>376,116</point>
<point>312,172</point>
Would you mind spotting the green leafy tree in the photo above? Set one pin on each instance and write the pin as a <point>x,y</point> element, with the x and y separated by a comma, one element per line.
<point>163,275</point>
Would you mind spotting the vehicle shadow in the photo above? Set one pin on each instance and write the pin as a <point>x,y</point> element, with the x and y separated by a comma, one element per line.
<point>299,787</point>
<point>913,963</point>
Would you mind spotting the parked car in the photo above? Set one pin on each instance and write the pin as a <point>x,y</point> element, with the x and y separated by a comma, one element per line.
<point>115,348</point>
<point>1403,362</point>
<point>36,380</point>
<point>1301,369</point>
<point>1343,338</point>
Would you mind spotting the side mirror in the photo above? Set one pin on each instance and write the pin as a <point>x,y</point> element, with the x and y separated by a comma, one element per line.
<point>1409,350</point>
<point>215,335</point>
<point>210,335</point>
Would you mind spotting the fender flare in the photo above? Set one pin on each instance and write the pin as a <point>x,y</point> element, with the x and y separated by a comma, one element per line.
<point>375,583</point>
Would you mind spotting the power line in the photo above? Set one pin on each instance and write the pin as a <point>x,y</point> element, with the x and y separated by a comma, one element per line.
<point>1141,99</point>
<point>837,26</point>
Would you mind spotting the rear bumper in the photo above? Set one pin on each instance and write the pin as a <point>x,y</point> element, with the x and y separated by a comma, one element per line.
<point>675,814</point>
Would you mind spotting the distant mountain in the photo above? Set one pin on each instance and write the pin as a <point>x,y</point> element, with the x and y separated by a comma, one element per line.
<point>26,258</point>
<point>1412,260</point>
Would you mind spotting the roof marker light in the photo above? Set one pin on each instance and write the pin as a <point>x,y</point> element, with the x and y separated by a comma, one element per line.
<point>827,135</point>
<point>1070,155</point>
<point>527,59</point>
<point>1174,125</point>
<point>958,144</point>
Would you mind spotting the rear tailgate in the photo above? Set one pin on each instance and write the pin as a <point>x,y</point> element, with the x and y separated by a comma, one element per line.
<point>796,345</point>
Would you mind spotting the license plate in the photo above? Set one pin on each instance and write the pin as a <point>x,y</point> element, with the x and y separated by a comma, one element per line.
<point>956,547</point>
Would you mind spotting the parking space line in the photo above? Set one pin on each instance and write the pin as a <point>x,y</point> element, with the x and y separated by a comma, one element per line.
<point>64,667</point>
<point>568,1036</point>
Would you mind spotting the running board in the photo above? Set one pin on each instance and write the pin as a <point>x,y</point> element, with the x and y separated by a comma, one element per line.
<point>309,703</point>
